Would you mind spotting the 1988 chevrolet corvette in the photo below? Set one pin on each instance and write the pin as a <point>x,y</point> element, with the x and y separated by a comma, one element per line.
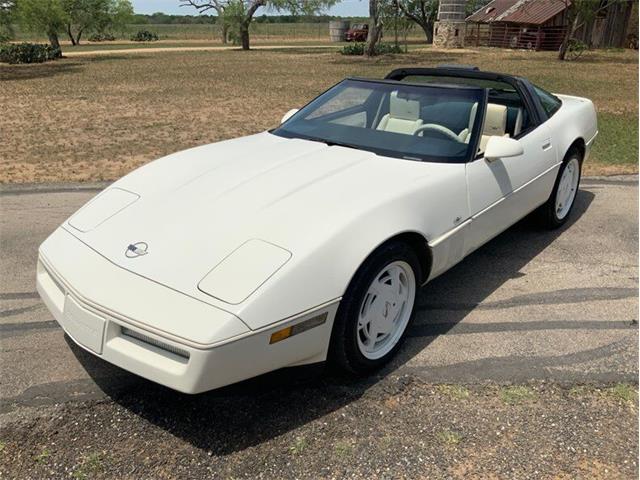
<point>308,242</point>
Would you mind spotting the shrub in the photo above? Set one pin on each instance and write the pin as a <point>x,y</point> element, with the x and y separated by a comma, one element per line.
<point>28,53</point>
<point>384,48</point>
<point>353,49</point>
<point>575,49</point>
<point>381,49</point>
<point>5,35</point>
<point>102,37</point>
<point>144,36</point>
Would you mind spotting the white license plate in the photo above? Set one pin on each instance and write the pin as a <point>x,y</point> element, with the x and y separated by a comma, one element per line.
<point>84,326</point>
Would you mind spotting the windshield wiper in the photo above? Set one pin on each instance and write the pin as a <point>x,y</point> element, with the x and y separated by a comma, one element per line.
<point>330,143</point>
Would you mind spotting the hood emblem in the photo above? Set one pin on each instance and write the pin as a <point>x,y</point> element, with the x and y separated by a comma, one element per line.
<point>136,250</point>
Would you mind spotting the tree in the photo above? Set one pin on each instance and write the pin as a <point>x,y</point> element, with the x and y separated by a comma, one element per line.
<point>44,16</point>
<point>115,17</point>
<point>241,12</point>
<point>120,14</point>
<point>580,12</point>
<point>82,15</point>
<point>422,12</point>
<point>375,27</point>
<point>218,6</point>
<point>96,15</point>
<point>394,20</point>
<point>73,17</point>
<point>472,6</point>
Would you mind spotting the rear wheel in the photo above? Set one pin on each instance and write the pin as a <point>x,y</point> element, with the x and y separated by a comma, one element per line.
<point>556,210</point>
<point>376,309</point>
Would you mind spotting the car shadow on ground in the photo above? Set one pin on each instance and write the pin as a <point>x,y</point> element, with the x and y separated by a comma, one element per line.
<point>251,412</point>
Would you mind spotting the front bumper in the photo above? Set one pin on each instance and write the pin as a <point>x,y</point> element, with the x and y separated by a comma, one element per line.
<point>158,333</point>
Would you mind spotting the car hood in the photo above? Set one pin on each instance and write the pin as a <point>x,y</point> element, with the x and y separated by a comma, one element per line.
<point>192,209</point>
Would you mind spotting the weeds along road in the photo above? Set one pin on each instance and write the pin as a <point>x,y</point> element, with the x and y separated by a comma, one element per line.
<point>550,311</point>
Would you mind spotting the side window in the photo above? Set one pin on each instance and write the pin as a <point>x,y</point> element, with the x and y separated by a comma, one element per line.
<point>550,103</point>
<point>501,93</point>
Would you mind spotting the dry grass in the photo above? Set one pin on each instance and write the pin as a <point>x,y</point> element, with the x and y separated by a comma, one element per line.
<point>97,118</point>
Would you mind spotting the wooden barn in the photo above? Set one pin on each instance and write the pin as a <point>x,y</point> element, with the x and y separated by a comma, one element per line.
<point>541,24</point>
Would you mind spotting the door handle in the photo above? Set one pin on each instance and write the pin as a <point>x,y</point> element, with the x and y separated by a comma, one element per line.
<point>546,145</point>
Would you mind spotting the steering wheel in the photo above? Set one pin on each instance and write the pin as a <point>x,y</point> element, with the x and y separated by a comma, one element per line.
<point>438,129</point>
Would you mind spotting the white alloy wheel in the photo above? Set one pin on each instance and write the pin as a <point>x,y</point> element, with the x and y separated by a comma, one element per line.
<point>567,188</point>
<point>386,310</point>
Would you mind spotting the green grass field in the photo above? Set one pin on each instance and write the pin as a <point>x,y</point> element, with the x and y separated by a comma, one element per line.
<point>98,117</point>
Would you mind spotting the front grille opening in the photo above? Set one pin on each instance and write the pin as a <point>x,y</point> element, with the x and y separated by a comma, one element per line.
<point>141,337</point>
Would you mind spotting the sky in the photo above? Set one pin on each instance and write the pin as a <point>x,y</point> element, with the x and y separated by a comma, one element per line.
<point>346,8</point>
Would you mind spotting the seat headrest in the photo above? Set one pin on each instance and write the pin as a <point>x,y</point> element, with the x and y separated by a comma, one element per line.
<point>495,122</point>
<point>403,108</point>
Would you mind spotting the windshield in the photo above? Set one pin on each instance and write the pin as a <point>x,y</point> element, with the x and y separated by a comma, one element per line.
<point>426,123</point>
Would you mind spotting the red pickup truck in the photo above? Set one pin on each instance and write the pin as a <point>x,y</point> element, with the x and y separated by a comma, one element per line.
<point>357,33</point>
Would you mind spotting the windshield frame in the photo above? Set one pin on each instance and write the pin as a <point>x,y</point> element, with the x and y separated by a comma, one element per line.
<point>473,143</point>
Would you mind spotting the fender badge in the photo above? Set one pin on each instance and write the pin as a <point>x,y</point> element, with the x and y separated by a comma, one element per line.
<point>136,250</point>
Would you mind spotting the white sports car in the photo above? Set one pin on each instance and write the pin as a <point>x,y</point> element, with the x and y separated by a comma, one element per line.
<point>309,242</point>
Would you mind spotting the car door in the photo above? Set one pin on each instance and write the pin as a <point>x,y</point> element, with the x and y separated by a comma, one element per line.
<point>502,191</point>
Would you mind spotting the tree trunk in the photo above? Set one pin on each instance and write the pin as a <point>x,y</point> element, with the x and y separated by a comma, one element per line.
<point>244,26</point>
<point>375,29</point>
<point>244,35</point>
<point>54,42</point>
<point>373,37</point>
<point>70,34</point>
<point>562,53</point>
<point>395,25</point>
<point>427,28</point>
<point>78,37</point>
<point>225,33</point>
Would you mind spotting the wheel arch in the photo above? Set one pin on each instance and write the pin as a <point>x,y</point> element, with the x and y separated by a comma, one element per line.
<point>338,347</point>
<point>418,244</point>
<point>578,144</point>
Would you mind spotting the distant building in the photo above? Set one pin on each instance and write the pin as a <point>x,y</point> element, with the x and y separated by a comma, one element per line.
<point>450,28</point>
<point>542,24</point>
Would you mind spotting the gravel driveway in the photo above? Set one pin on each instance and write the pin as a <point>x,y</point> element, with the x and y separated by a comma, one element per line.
<point>522,363</point>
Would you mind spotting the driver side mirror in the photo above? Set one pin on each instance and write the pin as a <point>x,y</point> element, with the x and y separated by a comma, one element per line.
<point>288,115</point>
<point>502,147</point>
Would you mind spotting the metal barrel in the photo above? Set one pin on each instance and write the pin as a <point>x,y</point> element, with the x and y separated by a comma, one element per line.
<point>338,29</point>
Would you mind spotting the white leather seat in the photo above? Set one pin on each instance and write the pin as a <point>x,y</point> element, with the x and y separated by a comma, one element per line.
<point>403,116</point>
<point>495,123</point>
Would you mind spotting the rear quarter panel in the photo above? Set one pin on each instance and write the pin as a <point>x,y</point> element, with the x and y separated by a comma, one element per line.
<point>575,120</point>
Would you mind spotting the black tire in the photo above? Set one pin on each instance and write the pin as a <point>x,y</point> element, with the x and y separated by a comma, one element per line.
<point>547,213</point>
<point>343,349</point>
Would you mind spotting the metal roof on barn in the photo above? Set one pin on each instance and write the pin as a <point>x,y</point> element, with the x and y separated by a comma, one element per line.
<point>534,12</point>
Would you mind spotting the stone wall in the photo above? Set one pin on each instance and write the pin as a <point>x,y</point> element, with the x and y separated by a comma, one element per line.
<point>449,34</point>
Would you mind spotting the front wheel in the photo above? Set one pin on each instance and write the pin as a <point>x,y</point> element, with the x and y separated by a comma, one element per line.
<point>376,309</point>
<point>556,210</point>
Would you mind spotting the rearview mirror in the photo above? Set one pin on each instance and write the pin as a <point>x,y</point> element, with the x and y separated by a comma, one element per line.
<point>288,115</point>
<point>502,147</point>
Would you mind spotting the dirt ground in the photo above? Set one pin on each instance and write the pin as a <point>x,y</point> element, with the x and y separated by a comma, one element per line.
<point>99,117</point>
